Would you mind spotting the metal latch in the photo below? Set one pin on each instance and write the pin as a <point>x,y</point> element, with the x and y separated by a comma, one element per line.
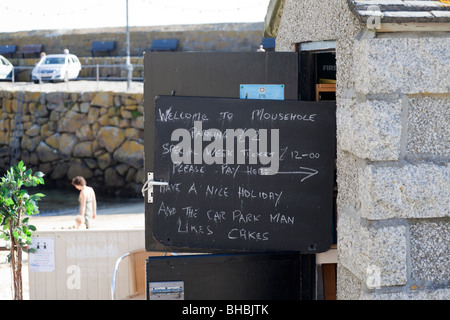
<point>148,186</point>
<point>170,290</point>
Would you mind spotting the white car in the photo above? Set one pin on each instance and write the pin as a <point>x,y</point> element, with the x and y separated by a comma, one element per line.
<point>6,68</point>
<point>57,67</point>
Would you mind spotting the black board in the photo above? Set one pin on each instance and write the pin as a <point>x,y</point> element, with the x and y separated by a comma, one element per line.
<point>232,207</point>
<point>249,276</point>
<point>207,74</point>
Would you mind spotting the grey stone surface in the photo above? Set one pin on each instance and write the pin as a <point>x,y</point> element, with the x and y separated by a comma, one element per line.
<point>429,126</point>
<point>54,97</point>
<point>347,173</point>
<point>66,144</point>
<point>112,178</point>
<point>314,20</point>
<point>409,65</point>
<point>386,256</point>
<point>60,171</point>
<point>131,153</point>
<point>72,121</point>
<point>430,251</point>
<point>30,143</point>
<point>110,137</point>
<point>410,294</point>
<point>404,191</point>
<point>46,153</point>
<point>375,253</point>
<point>83,149</point>
<point>371,129</point>
<point>348,286</point>
<point>393,93</point>
<point>77,167</point>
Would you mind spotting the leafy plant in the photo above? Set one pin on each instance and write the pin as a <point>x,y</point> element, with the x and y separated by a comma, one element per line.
<point>16,205</point>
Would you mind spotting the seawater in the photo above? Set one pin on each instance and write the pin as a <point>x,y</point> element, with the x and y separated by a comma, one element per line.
<point>65,202</point>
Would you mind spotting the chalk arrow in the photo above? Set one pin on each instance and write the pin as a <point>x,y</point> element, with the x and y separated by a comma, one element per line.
<point>307,172</point>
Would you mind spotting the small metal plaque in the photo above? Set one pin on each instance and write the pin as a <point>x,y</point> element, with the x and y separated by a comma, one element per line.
<point>262,91</point>
<point>170,290</point>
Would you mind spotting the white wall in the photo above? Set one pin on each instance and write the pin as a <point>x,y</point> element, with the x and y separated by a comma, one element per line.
<point>84,263</point>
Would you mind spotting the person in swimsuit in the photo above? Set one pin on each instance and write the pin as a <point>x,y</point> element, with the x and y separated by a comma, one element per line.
<point>88,202</point>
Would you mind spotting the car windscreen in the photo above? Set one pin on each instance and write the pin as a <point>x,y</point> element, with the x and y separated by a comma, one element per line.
<point>4,62</point>
<point>54,60</point>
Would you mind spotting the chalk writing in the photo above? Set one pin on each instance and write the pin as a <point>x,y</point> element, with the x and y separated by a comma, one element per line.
<point>186,227</point>
<point>188,168</point>
<point>243,177</point>
<point>263,115</point>
<point>228,170</point>
<point>171,188</point>
<point>168,115</point>
<point>239,217</point>
<point>216,191</point>
<point>247,235</point>
<point>252,194</point>
<point>221,147</point>
<point>304,173</point>
<point>216,216</point>
<point>281,218</point>
<point>190,212</point>
<point>166,211</point>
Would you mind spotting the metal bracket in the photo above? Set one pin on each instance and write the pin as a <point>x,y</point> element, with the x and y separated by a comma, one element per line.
<point>170,290</point>
<point>148,186</point>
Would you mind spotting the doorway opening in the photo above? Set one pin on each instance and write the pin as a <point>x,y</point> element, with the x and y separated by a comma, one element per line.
<point>317,82</point>
<point>317,64</point>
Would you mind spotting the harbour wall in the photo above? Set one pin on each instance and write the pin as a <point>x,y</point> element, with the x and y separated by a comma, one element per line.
<point>98,135</point>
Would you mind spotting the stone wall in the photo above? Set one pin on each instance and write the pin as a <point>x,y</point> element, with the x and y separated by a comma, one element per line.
<point>228,37</point>
<point>222,37</point>
<point>393,120</point>
<point>398,123</point>
<point>98,135</point>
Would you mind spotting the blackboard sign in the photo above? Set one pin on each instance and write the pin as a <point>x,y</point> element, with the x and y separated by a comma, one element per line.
<point>244,175</point>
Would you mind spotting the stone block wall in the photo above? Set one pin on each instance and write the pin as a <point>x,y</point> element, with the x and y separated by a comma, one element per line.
<point>396,125</point>
<point>393,170</point>
<point>98,135</point>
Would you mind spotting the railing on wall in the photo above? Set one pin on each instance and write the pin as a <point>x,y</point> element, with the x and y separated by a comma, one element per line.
<point>96,72</point>
<point>116,72</point>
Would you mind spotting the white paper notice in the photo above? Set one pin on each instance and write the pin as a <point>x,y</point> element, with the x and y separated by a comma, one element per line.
<point>43,260</point>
